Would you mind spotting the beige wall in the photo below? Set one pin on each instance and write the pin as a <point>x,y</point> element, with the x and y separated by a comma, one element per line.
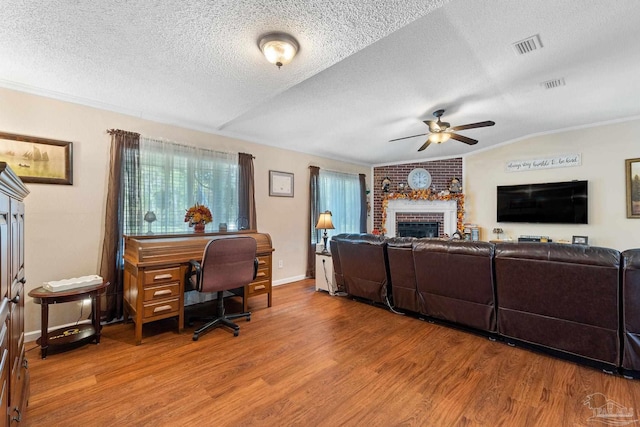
<point>604,149</point>
<point>64,223</point>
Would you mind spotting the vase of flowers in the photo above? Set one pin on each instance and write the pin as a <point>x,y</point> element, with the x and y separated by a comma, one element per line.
<point>198,216</point>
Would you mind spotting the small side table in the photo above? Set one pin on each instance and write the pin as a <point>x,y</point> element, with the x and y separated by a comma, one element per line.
<point>324,273</point>
<point>65,336</point>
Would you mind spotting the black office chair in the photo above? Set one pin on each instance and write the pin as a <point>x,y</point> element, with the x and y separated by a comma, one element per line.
<point>228,264</point>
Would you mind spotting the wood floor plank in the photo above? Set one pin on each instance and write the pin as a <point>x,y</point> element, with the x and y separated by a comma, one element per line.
<point>313,359</point>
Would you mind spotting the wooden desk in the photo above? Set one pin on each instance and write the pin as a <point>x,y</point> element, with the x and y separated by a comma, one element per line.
<point>64,337</point>
<point>155,268</point>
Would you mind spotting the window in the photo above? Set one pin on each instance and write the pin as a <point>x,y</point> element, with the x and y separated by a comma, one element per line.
<point>340,194</point>
<point>172,178</point>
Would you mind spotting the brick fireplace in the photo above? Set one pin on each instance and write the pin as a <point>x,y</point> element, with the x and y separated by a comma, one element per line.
<point>442,171</point>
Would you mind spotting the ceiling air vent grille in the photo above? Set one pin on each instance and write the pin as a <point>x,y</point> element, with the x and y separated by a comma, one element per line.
<point>528,45</point>
<point>552,84</point>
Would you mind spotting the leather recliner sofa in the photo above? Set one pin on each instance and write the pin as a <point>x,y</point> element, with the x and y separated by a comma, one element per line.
<point>362,258</point>
<point>455,281</point>
<point>631,312</point>
<point>402,274</point>
<point>562,297</point>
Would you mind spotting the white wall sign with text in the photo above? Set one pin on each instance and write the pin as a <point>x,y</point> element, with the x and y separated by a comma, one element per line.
<point>565,161</point>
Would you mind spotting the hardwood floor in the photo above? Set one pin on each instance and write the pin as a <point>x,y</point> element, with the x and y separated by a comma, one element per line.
<point>313,360</point>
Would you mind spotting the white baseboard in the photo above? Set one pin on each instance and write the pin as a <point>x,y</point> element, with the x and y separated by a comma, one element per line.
<point>288,280</point>
<point>34,335</point>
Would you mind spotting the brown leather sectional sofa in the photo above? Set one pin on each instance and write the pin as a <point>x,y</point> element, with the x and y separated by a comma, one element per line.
<point>631,312</point>
<point>574,301</point>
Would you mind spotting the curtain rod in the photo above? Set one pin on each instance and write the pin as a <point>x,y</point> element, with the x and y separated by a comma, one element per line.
<point>126,132</point>
<point>331,170</point>
<point>123,132</point>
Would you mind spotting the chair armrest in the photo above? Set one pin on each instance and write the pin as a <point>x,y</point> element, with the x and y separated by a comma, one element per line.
<point>255,268</point>
<point>194,268</point>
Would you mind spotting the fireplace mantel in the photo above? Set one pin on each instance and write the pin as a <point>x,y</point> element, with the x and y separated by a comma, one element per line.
<point>448,208</point>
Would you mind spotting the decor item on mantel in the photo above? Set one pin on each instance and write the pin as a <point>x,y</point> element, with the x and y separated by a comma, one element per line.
<point>198,216</point>
<point>423,195</point>
<point>386,183</point>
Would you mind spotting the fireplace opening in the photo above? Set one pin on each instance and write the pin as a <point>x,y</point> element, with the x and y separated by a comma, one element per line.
<point>418,229</point>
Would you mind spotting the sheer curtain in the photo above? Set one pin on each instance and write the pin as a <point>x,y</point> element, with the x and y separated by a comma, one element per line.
<point>340,193</point>
<point>174,177</point>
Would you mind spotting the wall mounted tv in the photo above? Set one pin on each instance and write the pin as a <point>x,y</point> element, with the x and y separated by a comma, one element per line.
<point>550,203</point>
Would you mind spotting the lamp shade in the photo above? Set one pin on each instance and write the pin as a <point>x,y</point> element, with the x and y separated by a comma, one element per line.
<point>278,48</point>
<point>324,221</point>
<point>439,137</point>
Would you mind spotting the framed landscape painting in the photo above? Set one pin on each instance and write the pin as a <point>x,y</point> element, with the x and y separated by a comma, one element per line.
<point>633,188</point>
<point>37,160</point>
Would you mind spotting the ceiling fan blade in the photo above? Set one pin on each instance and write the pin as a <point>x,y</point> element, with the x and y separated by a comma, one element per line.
<point>425,145</point>
<point>473,125</point>
<point>406,137</point>
<point>463,139</point>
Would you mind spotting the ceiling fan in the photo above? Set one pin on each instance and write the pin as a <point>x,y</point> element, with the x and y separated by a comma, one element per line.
<point>442,131</point>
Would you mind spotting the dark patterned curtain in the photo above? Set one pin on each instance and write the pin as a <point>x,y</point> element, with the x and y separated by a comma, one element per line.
<point>246,193</point>
<point>125,149</point>
<point>363,203</point>
<point>314,211</point>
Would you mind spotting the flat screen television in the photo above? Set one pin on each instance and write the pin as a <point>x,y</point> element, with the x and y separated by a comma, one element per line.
<point>549,203</point>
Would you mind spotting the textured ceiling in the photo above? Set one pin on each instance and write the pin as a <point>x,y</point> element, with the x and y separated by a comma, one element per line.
<point>367,71</point>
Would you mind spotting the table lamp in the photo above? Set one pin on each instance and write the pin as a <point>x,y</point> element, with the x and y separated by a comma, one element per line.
<point>324,223</point>
<point>150,217</point>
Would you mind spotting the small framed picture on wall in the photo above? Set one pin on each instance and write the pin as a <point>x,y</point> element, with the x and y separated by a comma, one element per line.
<point>280,184</point>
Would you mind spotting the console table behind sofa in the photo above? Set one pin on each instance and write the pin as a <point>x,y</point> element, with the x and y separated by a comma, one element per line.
<point>155,268</point>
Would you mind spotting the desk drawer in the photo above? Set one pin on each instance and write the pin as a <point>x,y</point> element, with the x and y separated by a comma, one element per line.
<point>162,275</point>
<point>157,292</point>
<point>259,287</point>
<point>264,262</point>
<point>161,308</point>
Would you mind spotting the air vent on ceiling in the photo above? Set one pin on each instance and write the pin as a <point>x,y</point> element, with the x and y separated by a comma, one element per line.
<point>528,45</point>
<point>551,84</point>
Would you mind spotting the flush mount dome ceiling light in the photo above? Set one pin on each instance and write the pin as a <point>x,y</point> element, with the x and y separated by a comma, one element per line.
<point>278,48</point>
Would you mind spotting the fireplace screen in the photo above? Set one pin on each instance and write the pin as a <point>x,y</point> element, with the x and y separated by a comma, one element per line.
<point>418,229</point>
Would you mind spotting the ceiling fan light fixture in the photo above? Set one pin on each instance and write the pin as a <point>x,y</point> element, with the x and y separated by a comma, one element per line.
<point>278,48</point>
<point>439,138</point>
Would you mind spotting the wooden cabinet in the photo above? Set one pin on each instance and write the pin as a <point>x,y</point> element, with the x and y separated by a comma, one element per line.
<point>154,275</point>
<point>14,374</point>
